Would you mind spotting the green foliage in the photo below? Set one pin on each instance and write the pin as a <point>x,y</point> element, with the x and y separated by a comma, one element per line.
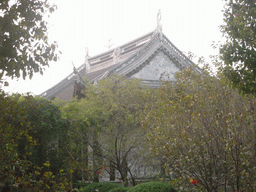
<point>79,185</point>
<point>238,53</point>
<point>24,47</point>
<point>122,103</point>
<point>143,187</point>
<point>109,120</point>
<point>73,112</point>
<point>205,132</point>
<point>152,187</point>
<point>17,171</point>
<point>49,130</point>
<point>101,187</point>
<point>119,189</point>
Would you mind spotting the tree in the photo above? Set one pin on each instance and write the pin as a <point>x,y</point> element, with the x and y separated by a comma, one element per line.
<point>49,131</point>
<point>238,53</point>
<point>74,112</point>
<point>18,168</point>
<point>121,137</point>
<point>205,132</point>
<point>110,115</point>
<point>24,47</point>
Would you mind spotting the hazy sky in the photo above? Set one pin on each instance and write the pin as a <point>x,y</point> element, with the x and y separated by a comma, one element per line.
<point>191,25</point>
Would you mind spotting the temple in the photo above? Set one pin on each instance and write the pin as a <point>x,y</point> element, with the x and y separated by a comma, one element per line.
<point>151,58</point>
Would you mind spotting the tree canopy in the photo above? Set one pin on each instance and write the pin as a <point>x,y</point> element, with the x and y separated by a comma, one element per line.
<point>238,52</point>
<point>49,130</point>
<point>108,119</point>
<point>24,46</point>
<point>28,127</point>
<point>205,131</point>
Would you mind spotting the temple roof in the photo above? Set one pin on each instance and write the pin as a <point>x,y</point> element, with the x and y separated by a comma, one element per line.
<point>149,58</point>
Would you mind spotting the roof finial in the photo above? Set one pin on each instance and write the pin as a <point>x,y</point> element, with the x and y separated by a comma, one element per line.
<point>86,52</point>
<point>159,17</point>
<point>87,63</point>
<point>74,68</point>
<point>158,29</point>
<point>109,45</point>
<point>116,55</point>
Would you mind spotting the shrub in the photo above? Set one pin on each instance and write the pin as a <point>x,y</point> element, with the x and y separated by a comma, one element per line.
<point>18,171</point>
<point>101,187</point>
<point>208,132</point>
<point>119,189</point>
<point>152,187</point>
<point>79,185</point>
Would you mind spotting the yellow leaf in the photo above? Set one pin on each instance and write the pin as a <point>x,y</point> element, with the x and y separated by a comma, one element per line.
<point>47,164</point>
<point>37,172</point>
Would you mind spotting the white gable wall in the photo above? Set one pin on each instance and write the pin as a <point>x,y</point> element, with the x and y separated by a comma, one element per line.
<point>161,67</point>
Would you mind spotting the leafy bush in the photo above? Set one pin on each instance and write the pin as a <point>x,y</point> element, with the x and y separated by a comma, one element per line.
<point>119,189</point>
<point>101,187</point>
<point>17,170</point>
<point>79,185</point>
<point>152,187</point>
<point>206,123</point>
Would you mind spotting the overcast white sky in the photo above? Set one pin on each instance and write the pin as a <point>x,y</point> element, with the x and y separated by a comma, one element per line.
<point>191,25</point>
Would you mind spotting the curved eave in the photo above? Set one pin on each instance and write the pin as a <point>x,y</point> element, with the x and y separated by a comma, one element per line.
<point>135,54</point>
<point>52,92</point>
<point>147,52</point>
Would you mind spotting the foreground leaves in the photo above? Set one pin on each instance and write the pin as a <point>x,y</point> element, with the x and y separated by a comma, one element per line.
<point>24,46</point>
<point>205,131</point>
<point>17,168</point>
<point>238,52</point>
<point>108,120</point>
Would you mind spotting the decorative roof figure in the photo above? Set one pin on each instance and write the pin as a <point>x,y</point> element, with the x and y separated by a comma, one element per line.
<point>87,63</point>
<point>159,26</point>
<point>116,55</point>
<point>74,68</point>
<point>159,17</point>
<point>109,45</point>
<point>86,52</point>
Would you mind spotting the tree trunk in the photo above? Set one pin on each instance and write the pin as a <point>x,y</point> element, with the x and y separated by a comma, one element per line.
<point>94,158</point>
<point>112,171</point>
<point>125,172</point>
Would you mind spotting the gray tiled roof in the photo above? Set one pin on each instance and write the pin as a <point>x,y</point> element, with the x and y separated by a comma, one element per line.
<point>128,59</point>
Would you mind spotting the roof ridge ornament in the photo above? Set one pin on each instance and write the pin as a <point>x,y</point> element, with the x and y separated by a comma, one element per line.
<point>159,17</point>
<point>74,68</point>
<point>87,63</point>
<point>116,55</point>
<point>158,29</point>
<point>109,45</point>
